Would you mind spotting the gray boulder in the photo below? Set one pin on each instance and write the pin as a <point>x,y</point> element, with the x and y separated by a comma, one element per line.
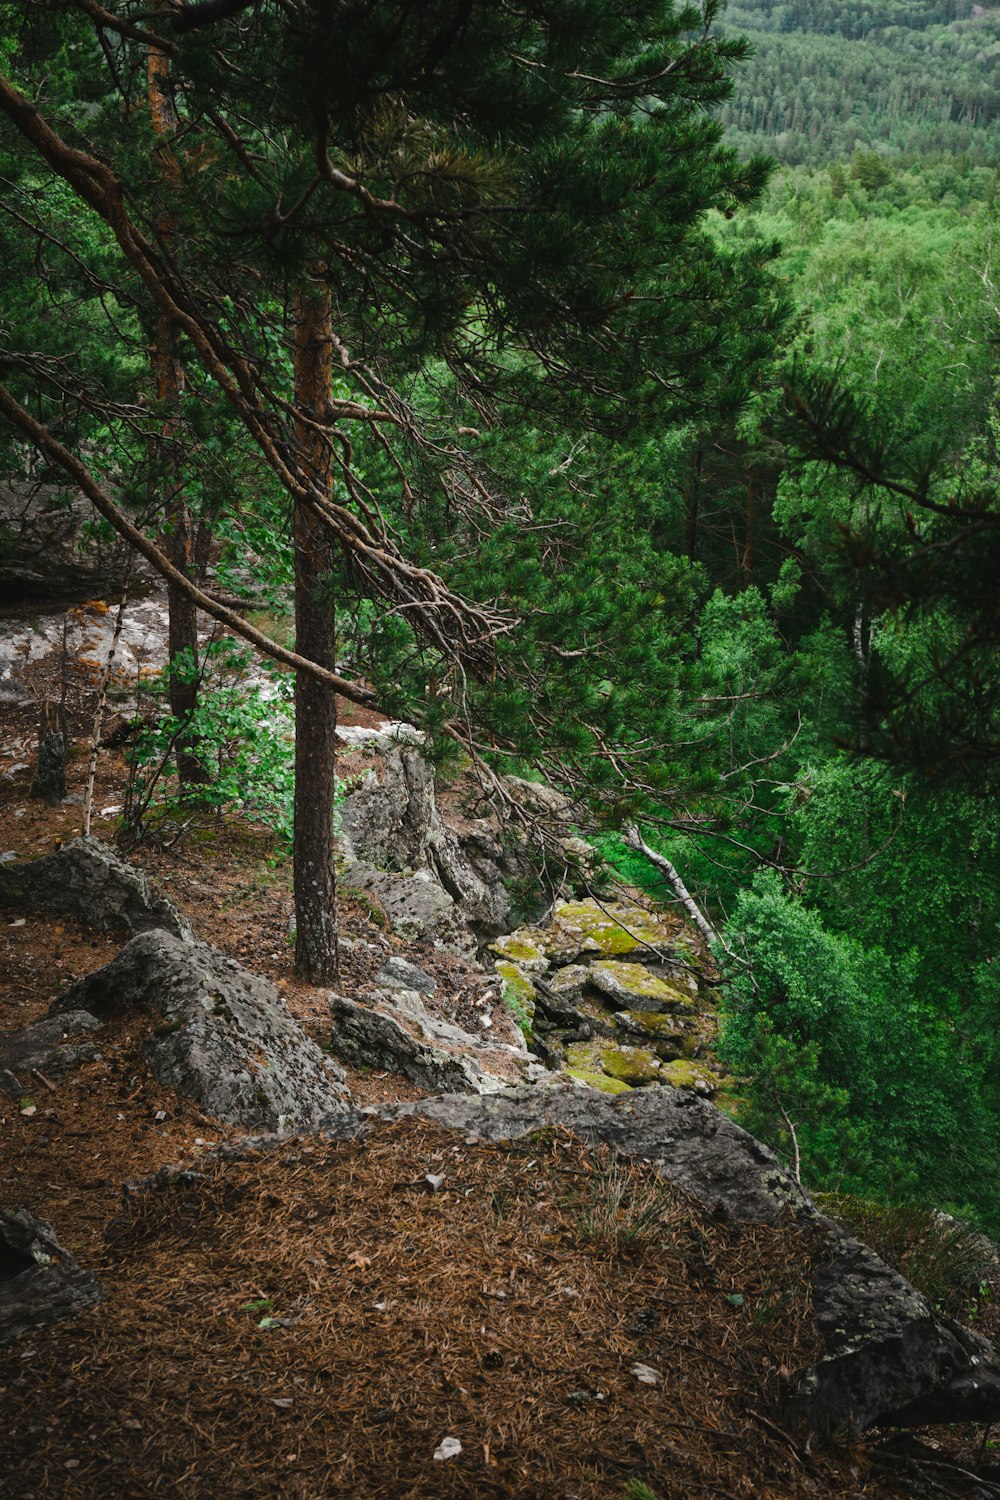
<point>47,551</point>
<point>40,1282</point>
<point>224,1036</point>
<point>45,1045</point>
<point>417,907</point>
<point>86,880</point>
<point>400,974</point>
<point>392,826</point>
<point>379,1035</point>
<point>631,986</point>
<point>889,1357</point>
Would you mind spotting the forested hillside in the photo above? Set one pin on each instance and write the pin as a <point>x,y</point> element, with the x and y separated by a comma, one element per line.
<point>825,80</point>
<point>475,367</point>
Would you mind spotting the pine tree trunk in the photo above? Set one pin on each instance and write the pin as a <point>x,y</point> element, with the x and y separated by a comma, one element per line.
<point>182,630</point>
<point>315,702</point>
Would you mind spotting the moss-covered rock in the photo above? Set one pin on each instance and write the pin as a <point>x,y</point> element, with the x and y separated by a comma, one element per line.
<point>632,987</point>
<point>599,1081</point>
<point>568,984</point>
<point>517,986</point>
<point>684,1074</point>
<point>573,1011</point>
<point>613,1062</point>
<point>584,1062</point>
<point>632,1065</point>
<point>658,1025</point>
<point>616,928</point>
<point>521,948</point>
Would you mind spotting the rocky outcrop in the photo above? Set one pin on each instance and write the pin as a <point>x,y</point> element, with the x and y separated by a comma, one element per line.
<point>732,1174</point>
<point>416,905</point>
<point>399,974</point>
<point>432,884</point>
<point>49,549</point>
<point>633,987</point>
<point>86,880</point>
<point>40,1282</point>
<point>889,1357</point>
<point>393,1030</point>
<point>223,1037</point>
<point>48,1047</point>
<point>615,997</point>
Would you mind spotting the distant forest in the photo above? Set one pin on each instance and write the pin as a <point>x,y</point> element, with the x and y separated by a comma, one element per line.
<point>914,77</point>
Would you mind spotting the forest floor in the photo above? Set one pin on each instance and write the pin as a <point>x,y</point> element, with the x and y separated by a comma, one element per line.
<point>314,1320</point>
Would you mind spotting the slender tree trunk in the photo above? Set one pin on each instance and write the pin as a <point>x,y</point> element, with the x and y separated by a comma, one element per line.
<point>315,702</point>
<point>182,632</point>
<point>634,839</point>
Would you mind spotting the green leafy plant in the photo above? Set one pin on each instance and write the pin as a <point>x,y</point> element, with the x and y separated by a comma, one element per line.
<point>242,733</point>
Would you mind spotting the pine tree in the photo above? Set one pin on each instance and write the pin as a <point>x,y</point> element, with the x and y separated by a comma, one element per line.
<point>514,195</point>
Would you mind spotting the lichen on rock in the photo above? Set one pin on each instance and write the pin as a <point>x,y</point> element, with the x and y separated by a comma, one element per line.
<point>521,948</point>
<point>631,1065</point>
<point>517,985</point>
<point>224,1036</point>
<point>685,1074</point>
<point>568,984</point>
<point>617,928</point>
<point>87,880</point>
<point>633,987</point>
<point>584,1063</point>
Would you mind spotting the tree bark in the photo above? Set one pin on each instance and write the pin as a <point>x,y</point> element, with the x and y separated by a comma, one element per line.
<point>316,957</point>
<point>176,538</point>
<point>49,780</point>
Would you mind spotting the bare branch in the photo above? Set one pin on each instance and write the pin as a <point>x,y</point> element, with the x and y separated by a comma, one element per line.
<point>102,502</point>
<point>634,840</point>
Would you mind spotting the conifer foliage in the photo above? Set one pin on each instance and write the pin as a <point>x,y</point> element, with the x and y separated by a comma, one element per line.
<point>511,196</point>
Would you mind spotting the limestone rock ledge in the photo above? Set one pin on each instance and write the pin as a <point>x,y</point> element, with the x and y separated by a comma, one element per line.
<point>224,1036</point>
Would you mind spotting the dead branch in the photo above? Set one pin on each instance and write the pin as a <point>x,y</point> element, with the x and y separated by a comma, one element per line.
<point>102,502</point>
<point>634,839</point>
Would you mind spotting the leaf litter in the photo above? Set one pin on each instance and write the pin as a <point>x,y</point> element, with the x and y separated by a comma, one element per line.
<point>455,1365</point>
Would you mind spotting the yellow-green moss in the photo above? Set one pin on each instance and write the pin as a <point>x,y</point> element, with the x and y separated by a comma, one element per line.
<point>626,982</point>
<point>615,927</point>
<point>632,1065</point>
<point>599,1081</point>
<point>520,949</point>
<point>684,1074</point>
<point>655,1023</point>
<point>516,985</point>
<point>584,1062</point>
<point>609,1066</point>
